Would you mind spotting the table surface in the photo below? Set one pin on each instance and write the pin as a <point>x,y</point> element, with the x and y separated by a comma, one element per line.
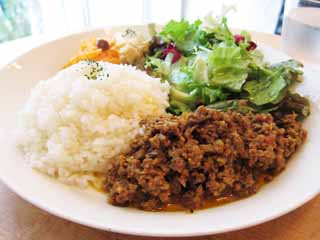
<point>19,220</point>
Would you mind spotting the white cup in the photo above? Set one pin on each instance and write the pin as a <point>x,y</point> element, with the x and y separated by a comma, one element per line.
<point>301,34</point>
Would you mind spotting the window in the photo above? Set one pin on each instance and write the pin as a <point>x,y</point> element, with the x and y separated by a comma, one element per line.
<point>19,18</point>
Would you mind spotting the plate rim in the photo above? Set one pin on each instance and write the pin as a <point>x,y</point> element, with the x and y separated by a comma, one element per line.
<point>153,233</point>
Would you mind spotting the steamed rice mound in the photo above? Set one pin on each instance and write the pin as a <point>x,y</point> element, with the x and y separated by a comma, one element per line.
<point>72,126</point>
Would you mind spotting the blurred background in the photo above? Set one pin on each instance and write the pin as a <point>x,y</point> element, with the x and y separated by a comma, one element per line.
<point>21,18</point>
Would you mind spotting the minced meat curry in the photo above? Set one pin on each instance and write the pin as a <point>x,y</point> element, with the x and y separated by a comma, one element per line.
<point>199,156</point>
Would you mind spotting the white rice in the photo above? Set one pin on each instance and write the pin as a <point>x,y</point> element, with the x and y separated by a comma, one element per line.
<point>71,127</point>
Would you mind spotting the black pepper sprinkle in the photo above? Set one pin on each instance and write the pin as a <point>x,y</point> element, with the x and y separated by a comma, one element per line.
<point>96,71</point>
<point>129,33</point>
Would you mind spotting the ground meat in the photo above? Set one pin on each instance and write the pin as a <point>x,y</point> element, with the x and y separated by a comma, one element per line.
<point>190,159</point>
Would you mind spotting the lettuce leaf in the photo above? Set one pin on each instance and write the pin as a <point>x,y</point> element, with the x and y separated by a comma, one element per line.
<point>200,70</point>
<point>271,89</point>
<point>191,88</point>
<point>290,70</point>
<point>218,28</point>
<point>182,34</point>
<point>159,67</point>
<point>227,68</point>
<point>237,105</point>
<point>270,84</point>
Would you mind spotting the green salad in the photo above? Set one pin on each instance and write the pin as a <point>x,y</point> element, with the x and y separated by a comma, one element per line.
<point>206,64</point>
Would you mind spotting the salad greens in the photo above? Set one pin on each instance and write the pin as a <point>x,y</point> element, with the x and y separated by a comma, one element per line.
<point>228,68</point>
<point>183,34</point>
<point>206,64</point>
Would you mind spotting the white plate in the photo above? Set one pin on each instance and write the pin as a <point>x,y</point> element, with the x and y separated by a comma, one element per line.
<point>296,185</point>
